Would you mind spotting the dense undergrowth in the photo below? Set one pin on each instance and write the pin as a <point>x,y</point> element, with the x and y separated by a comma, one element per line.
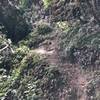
<point>26,75</point>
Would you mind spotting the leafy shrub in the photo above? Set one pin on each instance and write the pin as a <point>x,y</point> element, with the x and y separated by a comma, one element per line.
<point>17,74</point>
<point>79,44</point>
<point>47,3</point>
<point>63,25</point>
<point>44,29</point>
<point>22,51</point>
<point>32,40</point>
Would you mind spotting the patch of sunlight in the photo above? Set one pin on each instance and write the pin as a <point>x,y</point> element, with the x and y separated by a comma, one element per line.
<point>64,25</point>
<point>47,3</point>
<point>42,51</point>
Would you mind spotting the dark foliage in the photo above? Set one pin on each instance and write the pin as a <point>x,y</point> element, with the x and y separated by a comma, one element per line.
<point>13,21</point>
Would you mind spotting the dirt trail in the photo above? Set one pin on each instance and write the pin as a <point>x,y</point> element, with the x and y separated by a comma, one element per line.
<point>80,83</point>
<point>78,79</point>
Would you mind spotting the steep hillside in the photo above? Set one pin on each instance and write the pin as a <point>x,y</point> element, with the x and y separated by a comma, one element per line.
<point>49,50</point>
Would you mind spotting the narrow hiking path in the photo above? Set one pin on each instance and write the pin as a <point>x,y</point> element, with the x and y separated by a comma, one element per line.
<point>79,82</point>
<point>78,79</point>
